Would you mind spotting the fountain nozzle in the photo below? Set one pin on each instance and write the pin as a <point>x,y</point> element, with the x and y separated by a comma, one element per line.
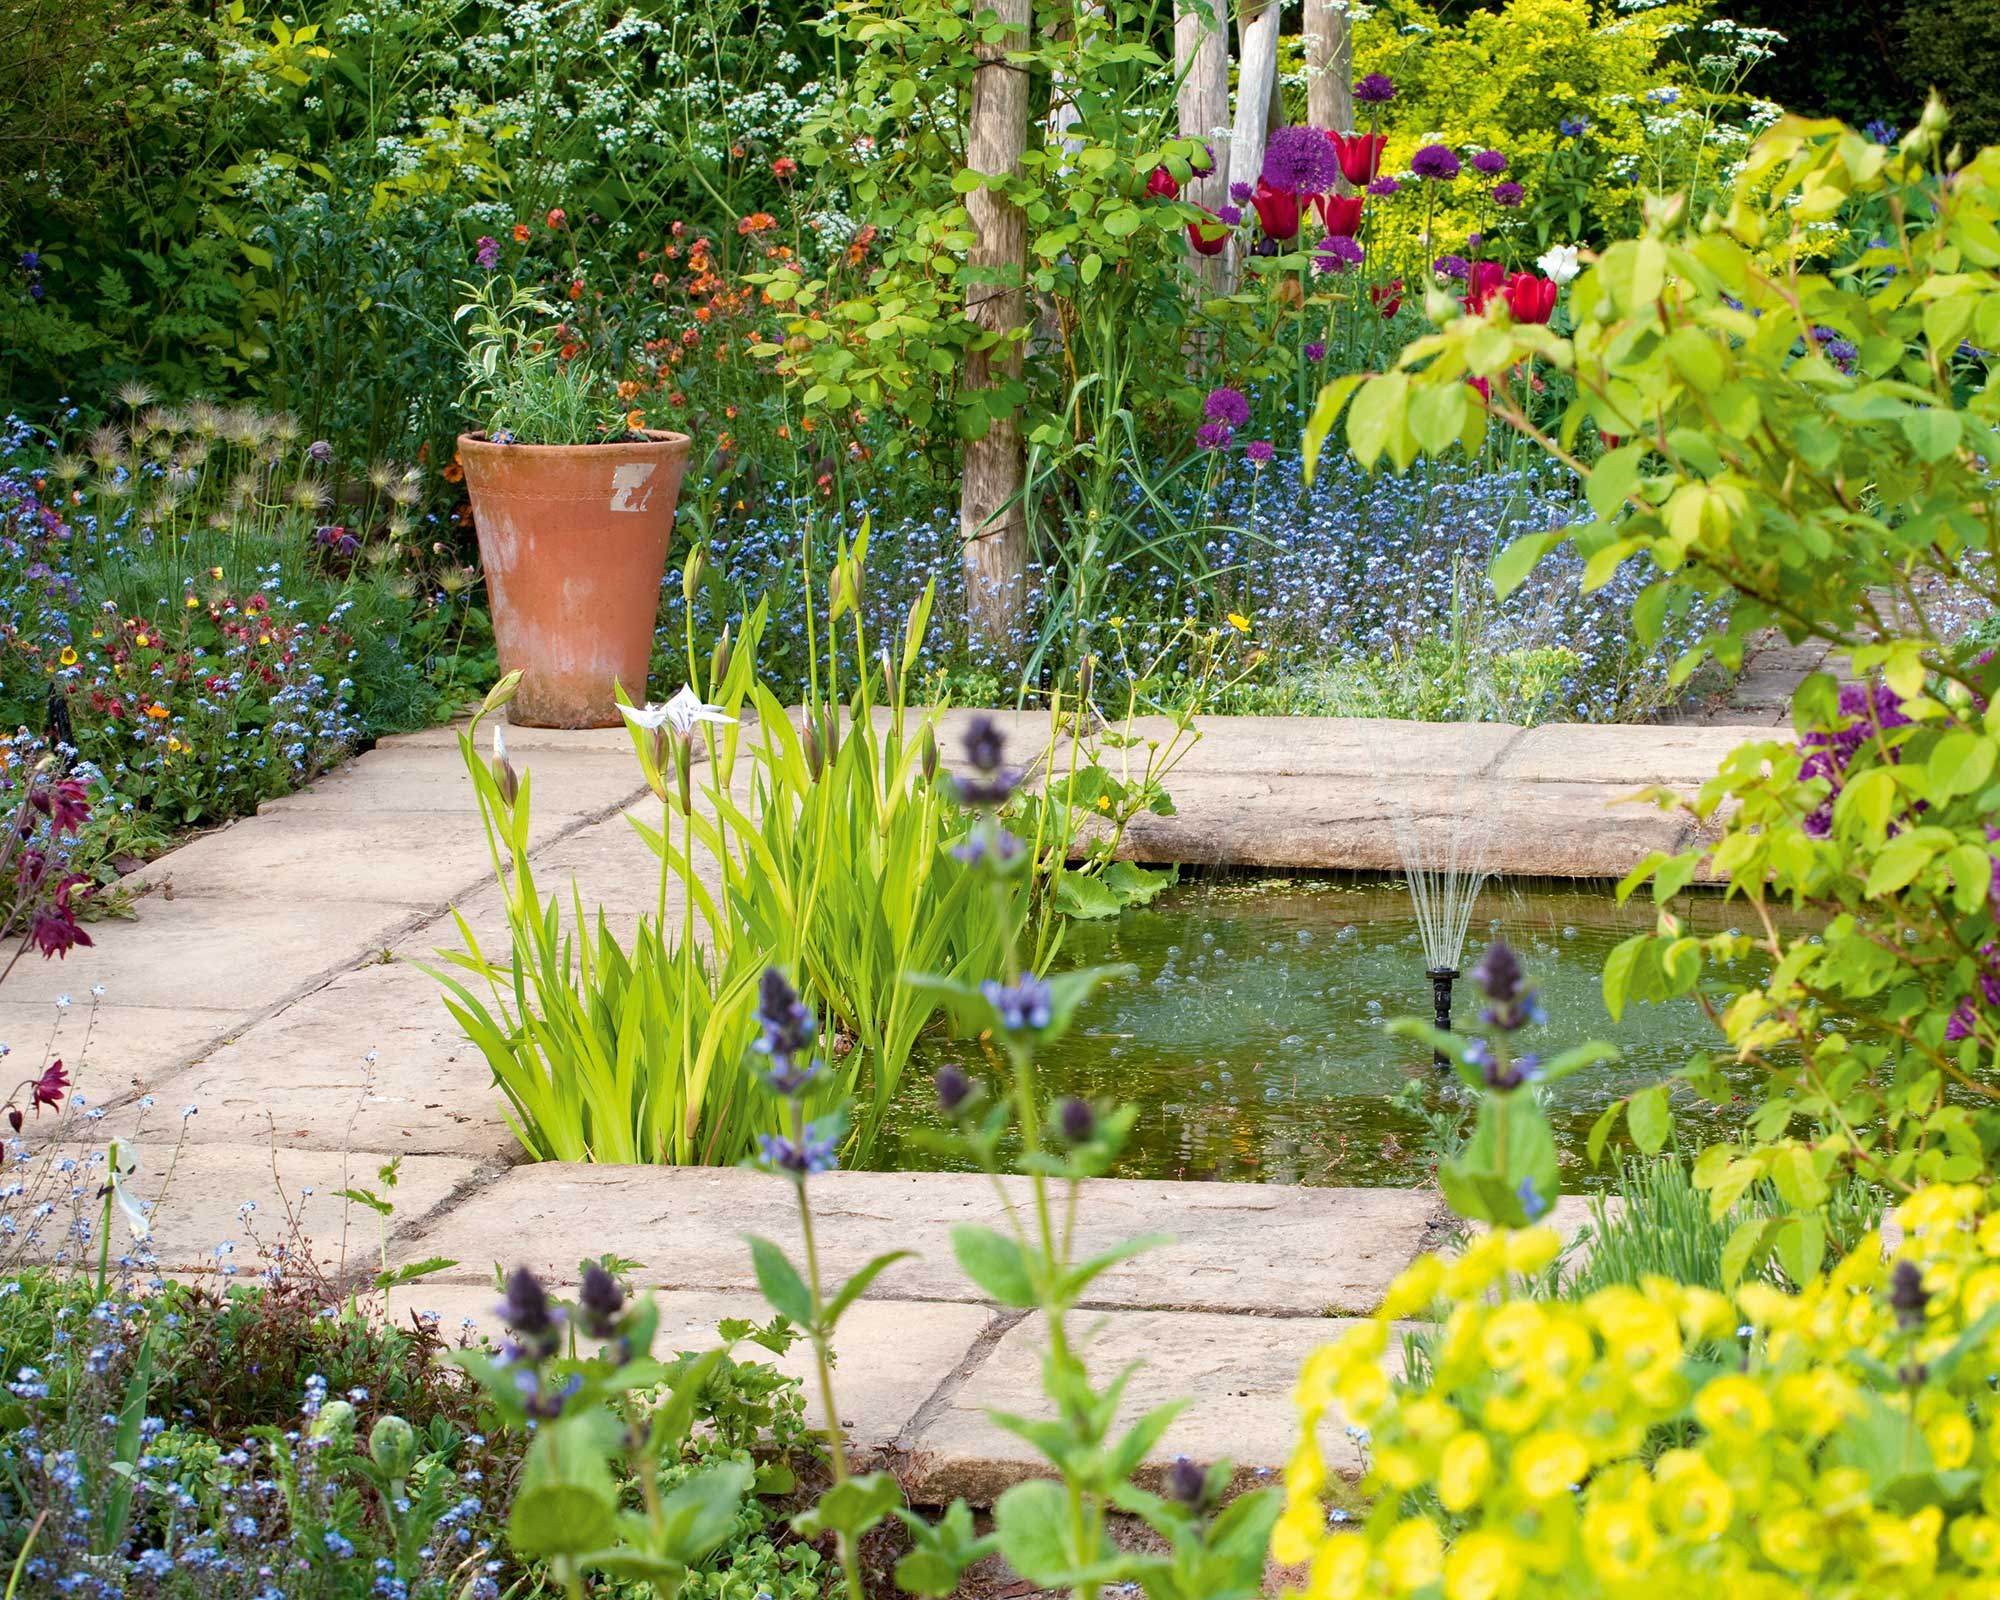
<point>1442,979</point>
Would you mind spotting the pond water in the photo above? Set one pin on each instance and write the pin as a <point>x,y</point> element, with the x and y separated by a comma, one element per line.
<point>1252,1037</point>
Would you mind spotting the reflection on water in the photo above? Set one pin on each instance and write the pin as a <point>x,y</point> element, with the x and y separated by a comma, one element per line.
<point>1252,1036</point>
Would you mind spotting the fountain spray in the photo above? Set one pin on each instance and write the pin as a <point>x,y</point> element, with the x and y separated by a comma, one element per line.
<point>1443,849</point>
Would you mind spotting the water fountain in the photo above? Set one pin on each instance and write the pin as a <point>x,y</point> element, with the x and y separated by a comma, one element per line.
<point>1442,841</point>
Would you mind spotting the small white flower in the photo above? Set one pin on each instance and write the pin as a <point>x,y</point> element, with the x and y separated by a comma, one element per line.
<point>682,714</point>
<point>133,1207</point>
<point>1558,263</point>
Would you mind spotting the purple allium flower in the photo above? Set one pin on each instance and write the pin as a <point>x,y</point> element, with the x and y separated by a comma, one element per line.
<point>1573,127</point>
<point>1490,162</point>
<point>1259,451</point>
<point>1229,216</point>
<point>1508,195</point>
<point>1385,186</point>
<point>1374,90</point>
<point>1865,711</point>
<point>1435,161</point>
<point>1022,1006</point>
<point>1301,161</point>
<point>1315,351</point>
<point>1266,246</point>
<point>1241,193</point>
<point>1226,406</point>
<point>1883,132</point>
<point>487,253</point>
<point>1214,435</point>
<point>1336,253</point>
<point>1455,267</point>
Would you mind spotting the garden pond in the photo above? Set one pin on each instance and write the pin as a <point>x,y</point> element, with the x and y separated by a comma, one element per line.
<point>1253,1034</point>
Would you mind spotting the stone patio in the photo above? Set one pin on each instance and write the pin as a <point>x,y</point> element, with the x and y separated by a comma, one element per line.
<point>268,977</point>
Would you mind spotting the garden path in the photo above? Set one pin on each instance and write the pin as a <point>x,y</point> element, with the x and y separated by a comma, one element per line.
<point>269,977</point>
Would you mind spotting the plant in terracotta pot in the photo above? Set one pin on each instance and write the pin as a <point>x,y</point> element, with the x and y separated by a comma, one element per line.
<point>574,510</point>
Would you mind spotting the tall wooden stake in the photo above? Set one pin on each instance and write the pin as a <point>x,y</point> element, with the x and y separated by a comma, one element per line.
<point>1256,79</point>
<point>992,525</point>
<point>1329,66</point>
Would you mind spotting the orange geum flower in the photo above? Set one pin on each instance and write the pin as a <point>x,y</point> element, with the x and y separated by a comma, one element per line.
<point>520,233</point>
<point>756,222</point>
<point>157,711</point>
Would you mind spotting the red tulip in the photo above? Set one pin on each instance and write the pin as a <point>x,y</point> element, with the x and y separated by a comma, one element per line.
<point>1162,185</point>
<point>1388,297</point>
<point>1209,238</point>
<point>1483,280</point>
<point>1530,298</point>
<point>1360,156</point>
<point>1277,210</point>
<point>1341,213</point>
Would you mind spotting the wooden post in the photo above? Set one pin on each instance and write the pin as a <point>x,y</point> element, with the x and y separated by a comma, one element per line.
<point>1329,66</point>
<point>1256,81</point>
<point>992,526</point>
<point>1201,58</point>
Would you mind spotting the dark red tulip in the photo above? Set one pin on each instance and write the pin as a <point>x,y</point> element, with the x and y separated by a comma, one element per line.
<point>1483,280</point>
<point>1530,298</point>
<point>1208,237</point>
<point>1278,211</point>
<point>1360,156</point>
<point>1162,185</point>
<point>1388,297</point>
<point>1341,213</point>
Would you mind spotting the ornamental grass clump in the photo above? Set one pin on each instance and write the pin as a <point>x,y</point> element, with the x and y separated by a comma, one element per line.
<point>1849,1443</point>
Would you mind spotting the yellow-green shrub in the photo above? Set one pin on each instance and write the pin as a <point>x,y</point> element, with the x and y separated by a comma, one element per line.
<point>1589,1448</point>
<point>1506,79</point>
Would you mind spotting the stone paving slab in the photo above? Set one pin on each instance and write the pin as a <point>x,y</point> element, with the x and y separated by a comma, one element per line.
<point>112,1049</point>
<point>238,953</point>
<point>1238,1374</point>
<point>1569,830</point>
<point>1263,1250</point>
<point>1683,756</point>
<point>303,1076</point>
<point>567,781</point>
<point>1330,747</point>
<point>891,1357</point>
<point>199,1192</point>
<point>416,859</point>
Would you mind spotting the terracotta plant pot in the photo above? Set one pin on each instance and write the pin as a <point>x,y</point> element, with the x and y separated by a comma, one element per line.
<point>574,542</point>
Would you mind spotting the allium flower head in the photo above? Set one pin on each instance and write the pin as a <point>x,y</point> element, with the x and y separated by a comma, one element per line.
<point>1435,161</point>
<point>1508,195</point>
<point>1453,267</point>
<point>1300,161</point>
<point>1384,186</point>
<point>1226,405</point>
<point>1374,90</point>
<point>1241,193</point>
<point>1315,352</point>
<point>1336,253</point>
<point>1490,162</point>
<point>1259,451</point>
<point>1214,436</point>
